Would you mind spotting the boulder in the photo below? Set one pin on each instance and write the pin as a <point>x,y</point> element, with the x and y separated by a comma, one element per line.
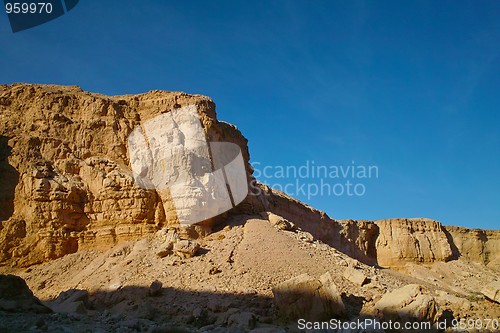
<point>186,248</point>
<point>356,276</point>
<point>307,297</point>
<point>452,302</point>
<point>71,301</point>
<point>410,302</point>
<point>15,296</point>
<point>492,291</point>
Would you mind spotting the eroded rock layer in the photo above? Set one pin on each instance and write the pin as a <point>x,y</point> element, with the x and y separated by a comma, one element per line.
<point>65,171</point>
<point>66,185</point>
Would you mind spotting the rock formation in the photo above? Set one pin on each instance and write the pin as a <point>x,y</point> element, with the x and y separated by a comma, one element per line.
<point>66,169</point>
<point>307,297</point>
<point>410,302</point>
<point>68,185</point>
<point>418,240</point>
<point>15,296</point>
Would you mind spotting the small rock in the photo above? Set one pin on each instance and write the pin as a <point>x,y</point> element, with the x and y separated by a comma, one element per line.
<point>307,297</point>
<point>164,253</point>
<point>250,291</point>
<point>186,248</point>
<point>280,222</point>
<point>155,288</point>
<point>356,276</point>
<point>306,237</point>
<point>353,263</point>
<point>214,270</point>
<point>200,318</point>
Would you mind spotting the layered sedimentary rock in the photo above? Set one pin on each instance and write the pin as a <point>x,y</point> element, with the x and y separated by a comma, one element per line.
<point>65,170</point>
<point>68,182</point>
<point>417,240</point>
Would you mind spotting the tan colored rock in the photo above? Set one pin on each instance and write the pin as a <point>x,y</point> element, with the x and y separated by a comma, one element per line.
<point>411,240</point>
<point>307,297</point>
<point>65,164</point>
<point>476,245</point>
<point>71,301</point>
<point>411,302</point>
<point>155,288</point>
<point>186,248</point>
<point>356,276</point>
<point>492,291</point>
<point>455,303</point>
<point>280,222</point>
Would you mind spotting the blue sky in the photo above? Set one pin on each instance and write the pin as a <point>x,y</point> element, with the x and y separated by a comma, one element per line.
<point>409,86</point>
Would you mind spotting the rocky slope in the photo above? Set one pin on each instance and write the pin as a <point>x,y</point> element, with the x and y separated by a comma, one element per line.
<point>73,213</point>
<point>250,275</point>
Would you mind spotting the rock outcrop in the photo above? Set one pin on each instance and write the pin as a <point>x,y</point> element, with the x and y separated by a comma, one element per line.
<point>65,170</point>
<point>476,244</point>
<point>307,297</point>
<point>67,184</point>
<point>414,240</point>
<point>408,303</point>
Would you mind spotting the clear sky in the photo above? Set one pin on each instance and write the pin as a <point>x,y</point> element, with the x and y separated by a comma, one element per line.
<point>412,87</point>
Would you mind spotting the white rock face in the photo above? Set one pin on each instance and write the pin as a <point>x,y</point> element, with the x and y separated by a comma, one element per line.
<point>169,153</point>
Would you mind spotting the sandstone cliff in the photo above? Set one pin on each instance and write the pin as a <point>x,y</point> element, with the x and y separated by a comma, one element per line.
<point>391,242</point>
<point>67,185</point>
<point>65,170</point>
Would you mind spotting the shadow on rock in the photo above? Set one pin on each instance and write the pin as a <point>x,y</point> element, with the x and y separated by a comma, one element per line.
<point>9,177</point>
